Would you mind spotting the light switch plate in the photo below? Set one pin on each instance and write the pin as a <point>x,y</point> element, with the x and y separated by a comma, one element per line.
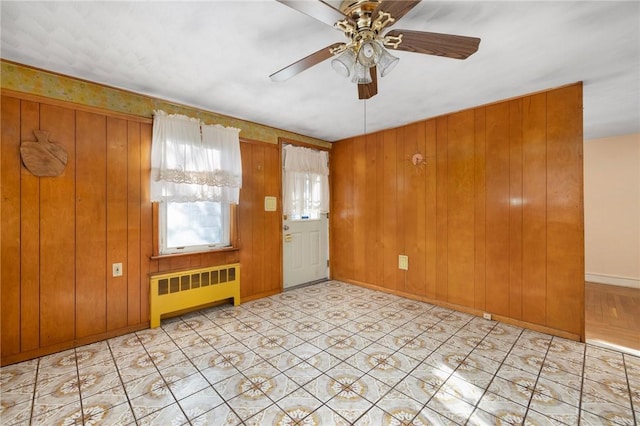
<point>270,204</point>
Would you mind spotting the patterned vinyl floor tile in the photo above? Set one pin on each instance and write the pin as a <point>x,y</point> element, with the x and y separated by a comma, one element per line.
<point>327,354</point>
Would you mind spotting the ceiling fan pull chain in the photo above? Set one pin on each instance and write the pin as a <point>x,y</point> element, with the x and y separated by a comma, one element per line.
<point>365,116</point>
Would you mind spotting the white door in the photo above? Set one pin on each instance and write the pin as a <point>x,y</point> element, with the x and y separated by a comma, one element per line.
<point>305,235</point>
<point>306,250</point>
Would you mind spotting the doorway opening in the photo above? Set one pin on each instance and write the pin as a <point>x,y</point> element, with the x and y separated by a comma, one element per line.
<point>612,316</point>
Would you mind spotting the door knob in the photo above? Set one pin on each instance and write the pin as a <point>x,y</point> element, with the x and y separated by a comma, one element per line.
<point>286,227</point>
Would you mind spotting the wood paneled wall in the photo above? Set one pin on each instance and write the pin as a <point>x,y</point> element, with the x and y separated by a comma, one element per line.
<point>492,222</point>
<point>259,231</point>
<point>60,235</point>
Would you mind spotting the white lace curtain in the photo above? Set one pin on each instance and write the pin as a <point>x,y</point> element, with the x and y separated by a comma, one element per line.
<point>191,161</point>
<point>306,181</point>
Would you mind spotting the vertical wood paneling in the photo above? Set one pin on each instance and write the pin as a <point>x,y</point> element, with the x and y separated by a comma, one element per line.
<point>174,263</point>
<point>147,265</point>
<point>430,208</point>
<point>515,209</point>
<point>534,215</point>
<point>480,210</point>
<point>406,206</point>
<point>341,217</point>
<point>91,224</point>
<point>379,209</point>
<point>389,210</point>
<point>460,208</point>
<point>57,233</point>
<point>273,220</point>
<point>402,196</point>
<point>258,238</point>
<point>245,230</point>
<point>29,238</point>
<point>414,209</point>
<point>379,178</point>
<point>418,276</point>
<point>373,244</point>
<point>497,208</point>
<point>133,223</point>
<point>442,258</point>
<point>62,230</point>
<point>117,202</point>
<point>565,226</point>
<point>258,231</point>
<point>10,227</point>
<point>359,233</point>
<point>501,226</point>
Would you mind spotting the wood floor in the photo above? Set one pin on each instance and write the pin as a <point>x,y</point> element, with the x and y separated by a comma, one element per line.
<point>612,315</point>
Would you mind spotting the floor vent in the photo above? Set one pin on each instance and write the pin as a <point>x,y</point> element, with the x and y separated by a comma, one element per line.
<point>177,291</point>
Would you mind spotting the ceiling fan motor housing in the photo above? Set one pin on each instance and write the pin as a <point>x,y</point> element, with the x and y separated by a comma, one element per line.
<point>361,26</point>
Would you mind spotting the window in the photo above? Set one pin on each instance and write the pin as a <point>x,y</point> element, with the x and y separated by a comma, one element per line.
<point>306,192</point>
<point>195,226</point>
<point>196,175</point>
<point>306,182</point>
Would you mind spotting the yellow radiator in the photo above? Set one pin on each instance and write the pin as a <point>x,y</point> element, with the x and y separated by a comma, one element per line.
<point>176,291</point>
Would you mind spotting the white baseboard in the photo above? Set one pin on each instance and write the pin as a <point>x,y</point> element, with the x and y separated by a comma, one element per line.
<point>608,279</point>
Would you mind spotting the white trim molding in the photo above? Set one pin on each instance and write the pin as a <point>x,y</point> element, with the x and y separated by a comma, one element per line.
<point>612,280</point>
<point>613,346</point>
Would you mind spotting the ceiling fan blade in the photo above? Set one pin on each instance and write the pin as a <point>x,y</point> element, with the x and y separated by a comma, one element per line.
<point>448,45</point>
<point>369,90</point>
<point>304,63</point>
<point>319,10</point>
<point>397,9</point>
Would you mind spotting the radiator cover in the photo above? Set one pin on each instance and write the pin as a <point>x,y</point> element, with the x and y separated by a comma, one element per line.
<point>176,291</point>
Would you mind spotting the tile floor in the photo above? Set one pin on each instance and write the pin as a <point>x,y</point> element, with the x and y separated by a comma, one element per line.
<point>328,354</point>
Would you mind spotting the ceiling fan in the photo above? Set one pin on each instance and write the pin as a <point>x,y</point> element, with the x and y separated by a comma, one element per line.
<point>362,22</point>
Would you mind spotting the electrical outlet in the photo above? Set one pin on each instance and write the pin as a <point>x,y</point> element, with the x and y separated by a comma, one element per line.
<point>117,269</point>
<point>403,262</point>
<point>486,316</point>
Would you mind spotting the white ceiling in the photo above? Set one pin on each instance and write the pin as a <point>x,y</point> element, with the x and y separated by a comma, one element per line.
<point>217,55</point>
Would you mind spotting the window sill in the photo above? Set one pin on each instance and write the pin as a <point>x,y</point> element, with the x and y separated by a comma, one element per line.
<point>193,253</point>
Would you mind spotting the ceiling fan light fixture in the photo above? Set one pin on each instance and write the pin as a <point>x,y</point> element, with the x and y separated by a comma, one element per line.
<point>369,53</point>
<point>344,62</point>
<point>387,62</point>
<point>361,74</point>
